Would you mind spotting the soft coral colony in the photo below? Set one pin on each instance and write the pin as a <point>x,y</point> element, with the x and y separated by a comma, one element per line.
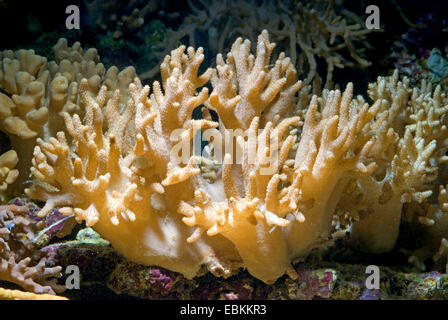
<point>99,145</point>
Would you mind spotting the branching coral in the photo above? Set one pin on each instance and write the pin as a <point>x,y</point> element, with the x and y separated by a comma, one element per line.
<point>126,179</point>
<point>93,182</point>
<point>35,92</point>
<point>254,206</point>
<point>122,18</point>
<point>19,262</point>
<point>289,167</point>
<point>319,32</point>
<point>411,130</point>
<point>305,31</point>
<point>245,87</point>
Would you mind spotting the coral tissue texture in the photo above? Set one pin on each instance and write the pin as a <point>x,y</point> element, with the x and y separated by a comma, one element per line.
<point>290,169</point>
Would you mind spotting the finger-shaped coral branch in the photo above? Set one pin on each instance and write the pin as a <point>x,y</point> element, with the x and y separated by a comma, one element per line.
<point>253,213</point>
<point>164,125</point>
<point>330,150</point>
<point>245,86</point>
<point>21,274</point>
<point>240,220</point>
<point>408,160</point>
<point>96,172</point>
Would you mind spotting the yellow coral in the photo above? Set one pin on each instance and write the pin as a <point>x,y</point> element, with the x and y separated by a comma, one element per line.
<point>412,133</point>
<point>39,91</point>
<point>125,161</point>
<point>7,294</point>
<point>93,182</point>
